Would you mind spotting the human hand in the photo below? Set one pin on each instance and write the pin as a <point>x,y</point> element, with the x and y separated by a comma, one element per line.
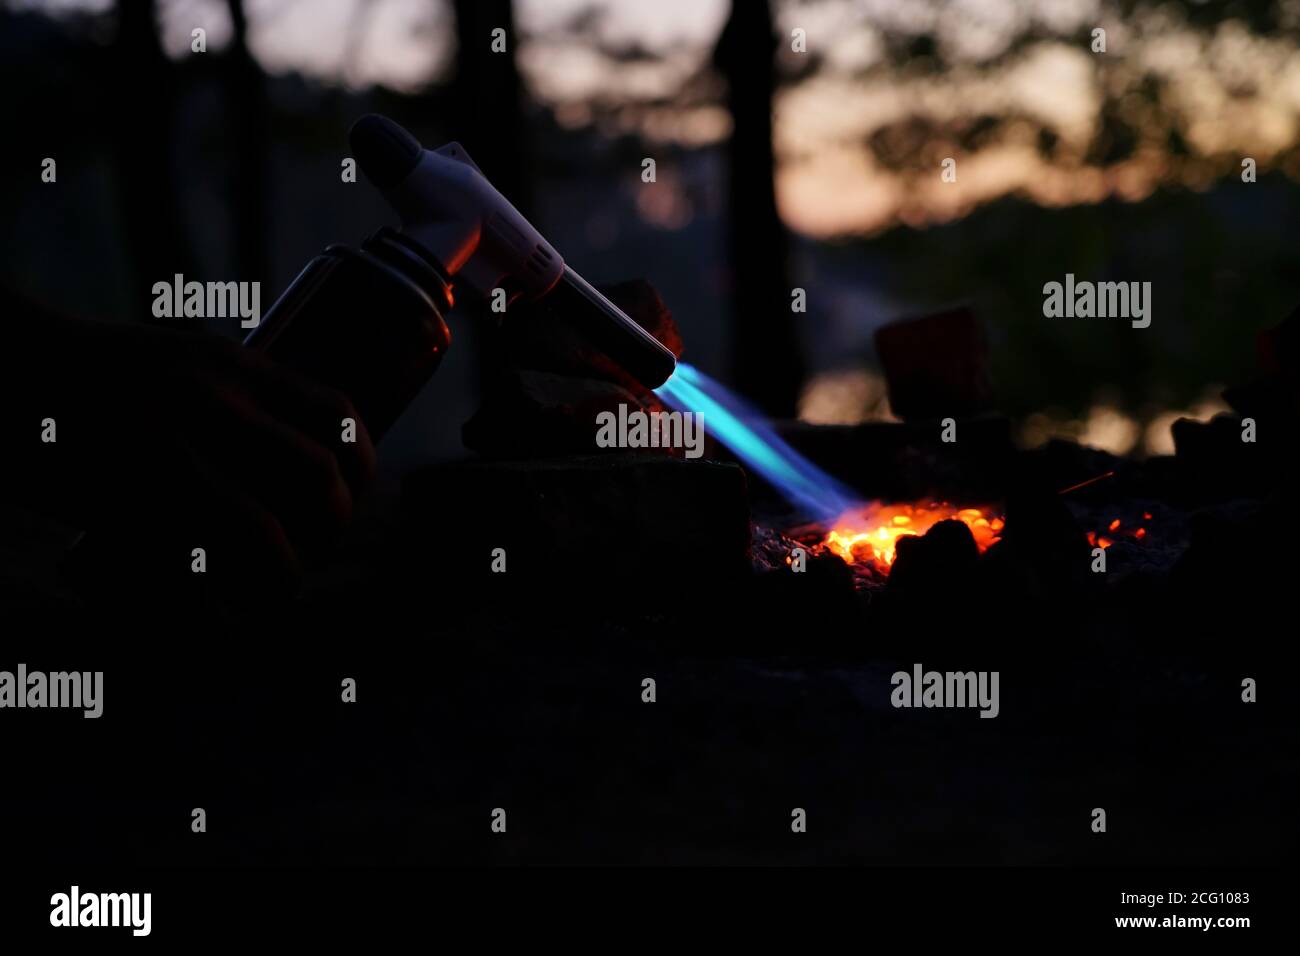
<point>187,440</point>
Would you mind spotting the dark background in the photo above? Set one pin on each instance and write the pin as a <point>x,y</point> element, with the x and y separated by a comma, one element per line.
<point>1117,166</point>
<point>473,695</point>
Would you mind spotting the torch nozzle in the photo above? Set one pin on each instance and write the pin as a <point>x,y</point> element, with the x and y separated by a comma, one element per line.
<point>613,331</point>
<point>450,209</point>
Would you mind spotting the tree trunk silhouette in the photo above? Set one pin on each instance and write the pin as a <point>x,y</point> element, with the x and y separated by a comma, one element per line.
<point>144,141</point>
<point>488,98</point>
<point>488,120</point>
<point>249,127</point>
<point>767,363</point>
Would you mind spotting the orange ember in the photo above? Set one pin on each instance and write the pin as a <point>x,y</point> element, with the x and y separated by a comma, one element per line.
<point>1101,541</point>
<point>870,537</point>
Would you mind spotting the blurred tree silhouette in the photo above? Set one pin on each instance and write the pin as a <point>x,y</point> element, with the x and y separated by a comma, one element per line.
<point>487,98</point>
<point>249,121</point>
<point>932,50</point>
<point>144,140</point>
<point>768,365</point>
<point>1126,164</point>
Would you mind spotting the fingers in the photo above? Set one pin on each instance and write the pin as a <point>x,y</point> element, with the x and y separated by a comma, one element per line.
<point>332,420</point>
<point>243,542</point>
<point>324,414</point>
<point>296,450</point>
<point>298,479</point>
<point>197,437</point>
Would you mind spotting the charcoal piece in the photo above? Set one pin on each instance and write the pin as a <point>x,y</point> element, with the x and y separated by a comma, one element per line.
<point>770,550</point>
<point>1264,399</point>
<point>1043,558</point>
<point>936,366</point>
<point>1202,442</point>
<point>1218,464</point>
<point>808,612</point>
<point>1041,529</point>
<point>937,564</point>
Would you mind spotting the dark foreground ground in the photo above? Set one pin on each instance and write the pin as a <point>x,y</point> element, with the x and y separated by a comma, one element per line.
<point>478,691</point>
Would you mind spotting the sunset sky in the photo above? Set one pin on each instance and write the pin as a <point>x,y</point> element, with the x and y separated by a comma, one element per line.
<point>1228,92</point>
<point>890,88</point>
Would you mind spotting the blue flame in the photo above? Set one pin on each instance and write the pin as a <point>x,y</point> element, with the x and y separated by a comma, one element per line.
<point>743,429</point>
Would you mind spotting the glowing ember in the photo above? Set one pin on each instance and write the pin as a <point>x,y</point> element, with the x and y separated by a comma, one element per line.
<point>870,537</point>
<point>1101,541</point>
